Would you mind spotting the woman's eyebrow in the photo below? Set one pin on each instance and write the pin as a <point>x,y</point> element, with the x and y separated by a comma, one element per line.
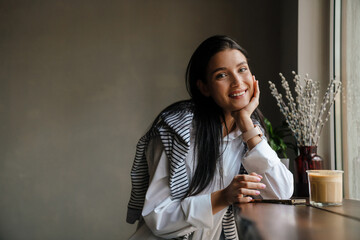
<point>218,69</point>
<point>224,68</point>
<point>242,63</point>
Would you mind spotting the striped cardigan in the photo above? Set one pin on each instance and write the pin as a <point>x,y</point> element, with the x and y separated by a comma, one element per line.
<point>174,131</point>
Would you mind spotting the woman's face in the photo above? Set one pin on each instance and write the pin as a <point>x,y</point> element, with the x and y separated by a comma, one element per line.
<point>228,80</point>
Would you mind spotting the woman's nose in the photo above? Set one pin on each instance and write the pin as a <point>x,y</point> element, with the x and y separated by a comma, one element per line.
<point>236,80</point>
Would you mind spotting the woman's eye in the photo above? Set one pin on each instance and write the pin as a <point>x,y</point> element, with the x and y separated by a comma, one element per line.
<point>220,75</point>
<point>243,69</point>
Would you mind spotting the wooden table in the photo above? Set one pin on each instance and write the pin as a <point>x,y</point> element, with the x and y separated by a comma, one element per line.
<point>288,222</point>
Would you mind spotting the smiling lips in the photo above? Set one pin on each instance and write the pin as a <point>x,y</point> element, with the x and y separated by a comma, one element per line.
<point>237,94</point>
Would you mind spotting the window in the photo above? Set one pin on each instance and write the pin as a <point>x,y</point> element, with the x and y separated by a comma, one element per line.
<point>346,64</point>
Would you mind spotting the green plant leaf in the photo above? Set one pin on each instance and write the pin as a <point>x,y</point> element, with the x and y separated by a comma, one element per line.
<point>276,136</point>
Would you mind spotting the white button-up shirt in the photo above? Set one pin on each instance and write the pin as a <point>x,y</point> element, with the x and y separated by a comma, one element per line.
<point>166,218</point>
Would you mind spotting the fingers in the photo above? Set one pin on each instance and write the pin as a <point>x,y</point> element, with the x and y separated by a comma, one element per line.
<point>249,192</point>
<point>243,187</point>
<point>248,184</point>
<point>256,95</point>
<point>252,185</point>
<point>255,174</point>
<point>256,87</point>
<point>244,200</point>
<point>253,177</point>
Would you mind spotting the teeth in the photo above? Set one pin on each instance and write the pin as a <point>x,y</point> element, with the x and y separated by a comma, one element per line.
<point>237,94</point>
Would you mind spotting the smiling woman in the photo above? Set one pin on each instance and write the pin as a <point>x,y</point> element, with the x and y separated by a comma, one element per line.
<point>193,164</point>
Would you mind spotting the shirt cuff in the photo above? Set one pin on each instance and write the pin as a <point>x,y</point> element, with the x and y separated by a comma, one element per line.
<point>261,158</point>
<point>198,211</point>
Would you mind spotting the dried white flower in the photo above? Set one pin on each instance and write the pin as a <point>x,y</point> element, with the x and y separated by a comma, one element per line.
<point>305,115</point>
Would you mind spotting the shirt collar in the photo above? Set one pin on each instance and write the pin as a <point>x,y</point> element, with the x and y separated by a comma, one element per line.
<point>233,135</point>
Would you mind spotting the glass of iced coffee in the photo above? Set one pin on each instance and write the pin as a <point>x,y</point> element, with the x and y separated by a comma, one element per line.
<point>325,187</point>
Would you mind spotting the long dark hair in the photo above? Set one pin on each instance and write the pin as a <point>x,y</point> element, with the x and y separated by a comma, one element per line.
<point>208,116</point>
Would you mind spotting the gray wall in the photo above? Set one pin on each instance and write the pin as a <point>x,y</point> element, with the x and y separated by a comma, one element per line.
<point>80,81</point>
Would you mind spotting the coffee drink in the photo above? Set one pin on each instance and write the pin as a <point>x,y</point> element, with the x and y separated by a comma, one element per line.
<point>325,187</point>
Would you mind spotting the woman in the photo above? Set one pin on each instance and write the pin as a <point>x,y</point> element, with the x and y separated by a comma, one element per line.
<point>185,175</point>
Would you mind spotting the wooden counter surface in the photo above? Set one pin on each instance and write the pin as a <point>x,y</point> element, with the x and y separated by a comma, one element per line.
<point>288,222</point>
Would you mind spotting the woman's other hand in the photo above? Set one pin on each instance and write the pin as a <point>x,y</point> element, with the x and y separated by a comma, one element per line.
<point>239,190</point>
<point>242,188</point>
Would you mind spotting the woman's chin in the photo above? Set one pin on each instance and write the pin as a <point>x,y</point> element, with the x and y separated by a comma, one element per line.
<point>238,107</point>
<point>234,107</point>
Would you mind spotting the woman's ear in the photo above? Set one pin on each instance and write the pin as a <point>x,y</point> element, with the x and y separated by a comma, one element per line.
<point>203,88</point>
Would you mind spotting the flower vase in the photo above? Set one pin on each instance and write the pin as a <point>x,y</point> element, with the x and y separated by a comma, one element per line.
<point>307,160</point>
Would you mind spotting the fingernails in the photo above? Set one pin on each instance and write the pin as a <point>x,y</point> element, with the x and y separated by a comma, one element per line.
<point>262,186</point>
<point>258,179</point>
<point>257,192</point>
